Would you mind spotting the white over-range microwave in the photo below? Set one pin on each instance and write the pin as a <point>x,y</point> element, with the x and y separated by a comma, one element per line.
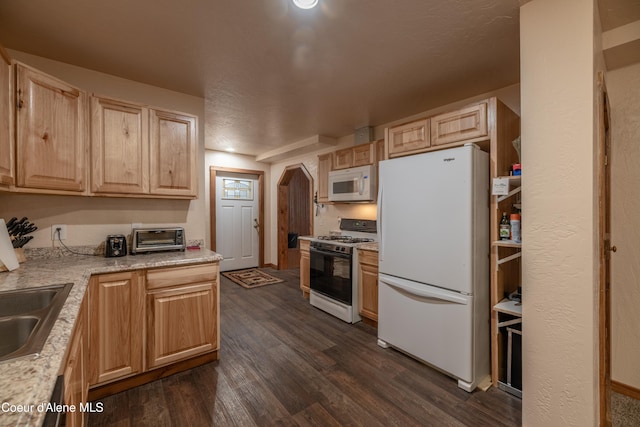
<point>353,184</point>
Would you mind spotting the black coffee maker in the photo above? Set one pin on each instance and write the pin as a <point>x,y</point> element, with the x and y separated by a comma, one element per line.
<point>116,245</point>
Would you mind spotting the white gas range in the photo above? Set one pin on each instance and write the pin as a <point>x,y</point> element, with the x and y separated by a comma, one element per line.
<point>334,268</point>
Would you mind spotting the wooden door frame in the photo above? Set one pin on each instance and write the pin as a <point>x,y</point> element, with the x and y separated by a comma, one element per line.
<point>213,174</point>
<point>283,210</point>
<point>604,218</point>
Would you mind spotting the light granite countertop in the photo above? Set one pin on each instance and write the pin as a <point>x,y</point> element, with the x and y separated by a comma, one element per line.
<point>368,246</point>
<point>30,380</point>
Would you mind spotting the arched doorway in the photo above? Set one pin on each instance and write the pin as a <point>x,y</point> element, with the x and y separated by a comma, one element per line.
<point>295,213</point>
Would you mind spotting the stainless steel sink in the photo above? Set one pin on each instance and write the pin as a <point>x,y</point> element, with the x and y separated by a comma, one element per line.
<point>26,318</point>
<point>20,302</point>
<point>15,332</point>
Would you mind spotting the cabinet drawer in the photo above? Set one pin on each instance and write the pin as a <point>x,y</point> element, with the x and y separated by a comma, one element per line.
<point>166,277</point>
<point>460,125</point>
<point>367,257</point>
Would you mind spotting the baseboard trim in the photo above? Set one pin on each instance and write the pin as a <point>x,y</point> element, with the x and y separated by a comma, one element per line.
<point>627,390</point>
<point>98,392</point>
<point>275,267</point>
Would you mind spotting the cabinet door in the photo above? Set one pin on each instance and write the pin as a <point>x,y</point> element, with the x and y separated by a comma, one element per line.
<point>51,132</point>
<point>408,138</point>
<point>7,176</point>
<point>119,147</point>
<point>305,267</point>
<point>364,154</point>
<point>181,323</point>
<point>115,322</point>
<point>325,163</point>
<point>76,381</point>
<point>368,280</point>
<point>343,159</point>
<point>379,147</point>
<point>460,125</point>
<point>360,155</point>
<point>173,154</point>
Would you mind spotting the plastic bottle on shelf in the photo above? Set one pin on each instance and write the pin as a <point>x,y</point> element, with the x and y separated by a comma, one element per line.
<point>515,228</point>
<point>505,227</point>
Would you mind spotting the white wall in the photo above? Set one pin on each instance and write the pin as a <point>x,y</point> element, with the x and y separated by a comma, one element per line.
<point>560,280</point>
<point>90,219</point>
<point>624,95</point>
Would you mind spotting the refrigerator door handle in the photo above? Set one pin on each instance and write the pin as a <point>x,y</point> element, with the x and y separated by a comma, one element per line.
<point>424,291</point>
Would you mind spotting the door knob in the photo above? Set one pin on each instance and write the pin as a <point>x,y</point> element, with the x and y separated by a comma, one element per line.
<point>255,224</point>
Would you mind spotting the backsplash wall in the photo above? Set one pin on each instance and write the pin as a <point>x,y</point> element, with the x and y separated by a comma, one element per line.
<point>328,217</point>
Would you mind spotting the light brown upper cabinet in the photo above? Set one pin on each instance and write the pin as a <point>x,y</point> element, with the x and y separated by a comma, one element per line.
<point>359,155</point>
<point>51,133</point>
<point>7,176</point>
<point>119,147</point>
<point>343,158</point>
<point>325,163</point>
<point>63,139</point>
<point>173,154</point>
<point>408,138</point>
<point>137,150</point>
<point>461,125</point>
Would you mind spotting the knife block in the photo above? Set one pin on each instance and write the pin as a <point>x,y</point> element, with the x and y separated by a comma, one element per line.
<point>19,254</point>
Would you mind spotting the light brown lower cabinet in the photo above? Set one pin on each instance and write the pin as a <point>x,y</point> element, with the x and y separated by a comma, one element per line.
<point>141,320</point>
<point>305,267</point>
<point>115,321</point>
<point>368,285</point>
<point>75,372</point>
<point>182,308</point>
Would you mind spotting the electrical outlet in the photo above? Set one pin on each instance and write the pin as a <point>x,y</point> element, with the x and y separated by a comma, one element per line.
<point>54,232</point>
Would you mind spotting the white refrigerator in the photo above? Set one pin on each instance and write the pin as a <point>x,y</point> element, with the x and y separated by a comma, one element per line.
<point>433,290</point>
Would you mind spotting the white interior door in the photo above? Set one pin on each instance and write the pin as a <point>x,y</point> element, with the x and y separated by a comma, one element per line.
<point>237,220</point>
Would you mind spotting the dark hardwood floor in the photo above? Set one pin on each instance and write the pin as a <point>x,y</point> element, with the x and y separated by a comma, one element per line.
<point>283,362</point>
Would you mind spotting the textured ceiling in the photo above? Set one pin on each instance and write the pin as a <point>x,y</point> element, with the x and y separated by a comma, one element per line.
<point>273,74</point>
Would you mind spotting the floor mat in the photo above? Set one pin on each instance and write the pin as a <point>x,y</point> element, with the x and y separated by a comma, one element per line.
<point>251,278</point>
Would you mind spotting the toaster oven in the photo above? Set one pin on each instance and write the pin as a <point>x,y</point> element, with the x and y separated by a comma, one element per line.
<point>157,239</point>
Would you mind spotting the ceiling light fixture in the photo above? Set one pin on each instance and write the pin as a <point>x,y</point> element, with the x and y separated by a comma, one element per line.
<point>305,4</point>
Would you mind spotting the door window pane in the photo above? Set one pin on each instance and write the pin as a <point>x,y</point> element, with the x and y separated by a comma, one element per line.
<point>237,189</point>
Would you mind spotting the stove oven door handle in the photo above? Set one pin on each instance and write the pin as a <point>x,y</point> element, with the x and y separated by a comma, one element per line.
<point>334,254</point>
